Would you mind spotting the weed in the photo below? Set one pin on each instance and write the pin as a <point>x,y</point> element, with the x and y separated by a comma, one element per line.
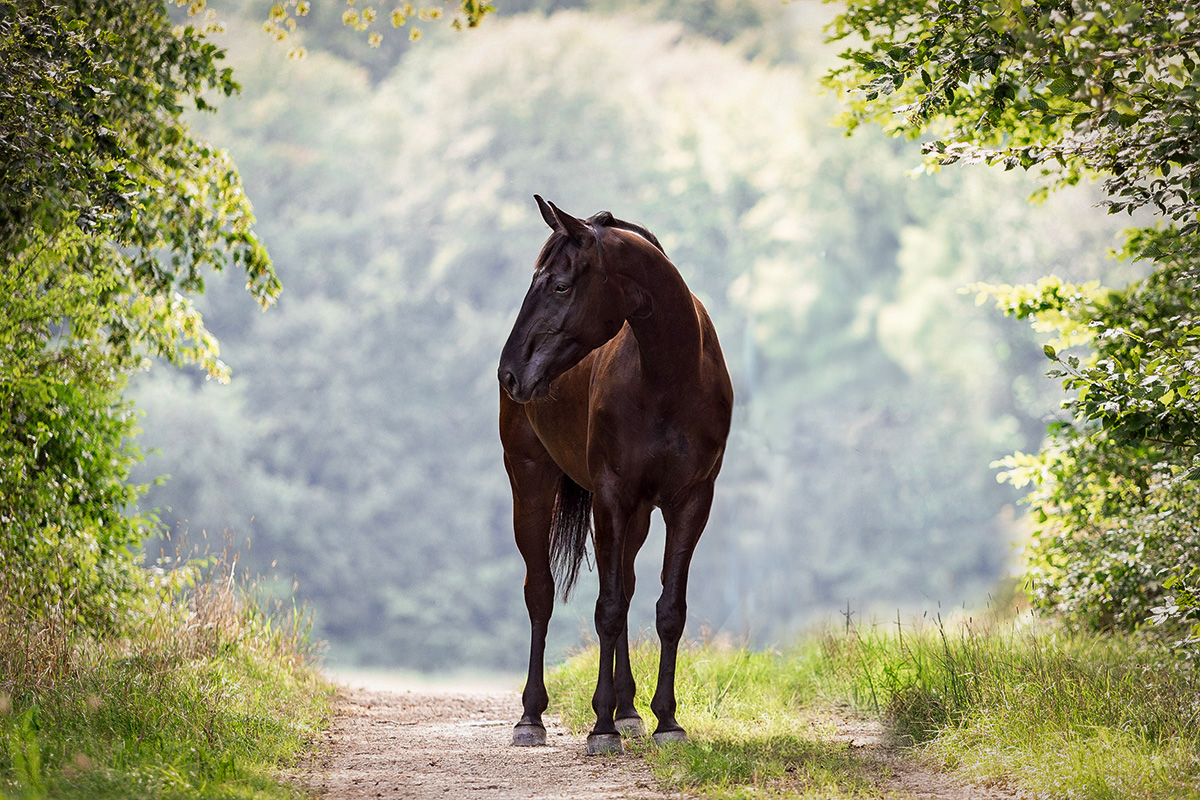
<point>203,692</point>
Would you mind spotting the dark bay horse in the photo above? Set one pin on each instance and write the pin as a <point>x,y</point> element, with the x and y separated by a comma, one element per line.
<point>614,400</point>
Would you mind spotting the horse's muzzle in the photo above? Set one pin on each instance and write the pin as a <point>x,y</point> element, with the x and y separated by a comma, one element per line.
<point>511,385</point>
<point>522,393</point>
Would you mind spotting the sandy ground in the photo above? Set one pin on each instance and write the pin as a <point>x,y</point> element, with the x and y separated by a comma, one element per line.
<point>426,742</point>
<point>422,743</point>
<point>901,775</point>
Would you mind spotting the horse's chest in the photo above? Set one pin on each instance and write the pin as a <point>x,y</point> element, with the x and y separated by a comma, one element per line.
<point>562,430</point>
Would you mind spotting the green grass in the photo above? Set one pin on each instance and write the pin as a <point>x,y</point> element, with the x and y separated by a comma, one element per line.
<point>1017,703</point>
<point>750,719</point>
<point>205,695</point>
<point>1084,716</point>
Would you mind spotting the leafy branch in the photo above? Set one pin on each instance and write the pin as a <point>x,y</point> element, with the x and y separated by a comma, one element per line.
<point>282,20</point>
<point>1075,89</point>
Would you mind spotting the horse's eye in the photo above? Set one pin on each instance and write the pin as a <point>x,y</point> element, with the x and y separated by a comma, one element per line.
<point>562,288</point>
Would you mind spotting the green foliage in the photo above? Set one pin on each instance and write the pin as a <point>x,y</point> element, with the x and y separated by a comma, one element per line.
<point>1015,702</point>
<point>65,540</point>
<point>1108,528</point>
<point>115,682</point>
<point>110,215</point>
<point>104,173</point>
<point>1072,89</point>
<point>1114,494</point>
<point>1181,603</point>
<point>282,19</point>
<point>1092,86</point>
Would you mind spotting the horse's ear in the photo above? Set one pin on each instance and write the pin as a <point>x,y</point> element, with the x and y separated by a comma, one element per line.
<point>547,212</point>
<point>575,229</point>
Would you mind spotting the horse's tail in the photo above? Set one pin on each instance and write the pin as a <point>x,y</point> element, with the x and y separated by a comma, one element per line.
<point>569,532</point>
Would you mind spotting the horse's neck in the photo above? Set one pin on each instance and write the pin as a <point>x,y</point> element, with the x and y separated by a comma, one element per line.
<point>669,335</point>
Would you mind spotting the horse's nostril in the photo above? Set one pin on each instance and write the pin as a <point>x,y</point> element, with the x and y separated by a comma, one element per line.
<point>509,381</point>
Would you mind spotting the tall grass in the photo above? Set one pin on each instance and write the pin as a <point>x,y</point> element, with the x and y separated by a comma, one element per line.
<point>205,693</point>
<point>1017,703</point>
<point>1050,712</point>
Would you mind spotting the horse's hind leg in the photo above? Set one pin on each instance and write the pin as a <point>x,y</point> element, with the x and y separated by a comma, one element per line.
<point>534,484</point>
<point>628,721</point>
<point>612,607</point>
<point>620,530</point>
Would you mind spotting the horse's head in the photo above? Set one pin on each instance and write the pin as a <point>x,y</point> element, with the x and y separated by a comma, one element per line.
<point>573,306</point>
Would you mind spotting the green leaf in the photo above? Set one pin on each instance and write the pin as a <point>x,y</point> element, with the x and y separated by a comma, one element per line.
<point>1061,87</point>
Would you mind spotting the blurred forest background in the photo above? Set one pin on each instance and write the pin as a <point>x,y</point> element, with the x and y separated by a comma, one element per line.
<point>356,446</point>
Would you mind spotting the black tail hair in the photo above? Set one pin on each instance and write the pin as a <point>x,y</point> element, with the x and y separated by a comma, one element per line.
<point>569,530</point>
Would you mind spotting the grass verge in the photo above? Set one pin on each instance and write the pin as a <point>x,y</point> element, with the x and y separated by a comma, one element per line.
<point>1051,713</point>
<point>1017,703</point>
<point>753,721</point>
<point>205,694</point>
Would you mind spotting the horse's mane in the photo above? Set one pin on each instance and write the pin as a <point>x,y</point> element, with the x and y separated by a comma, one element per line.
<point>607,220</point>
<point>601,219</point>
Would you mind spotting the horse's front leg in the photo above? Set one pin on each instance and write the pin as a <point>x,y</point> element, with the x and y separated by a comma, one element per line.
<point>685,522</point>
<point>612,609</point>
<point>534,485</point>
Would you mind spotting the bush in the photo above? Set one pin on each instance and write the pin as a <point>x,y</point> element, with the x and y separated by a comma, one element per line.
<point>66,545</point>
<point>1111,525</point>
<point>110,215</point>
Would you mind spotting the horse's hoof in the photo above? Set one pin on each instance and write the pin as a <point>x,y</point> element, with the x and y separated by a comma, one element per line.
<point>604,744</point>
<point>529,736</point>
<point>662,737</point>
<point>632,727</point>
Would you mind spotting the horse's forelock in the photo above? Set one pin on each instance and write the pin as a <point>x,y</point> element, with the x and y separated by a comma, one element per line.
<point>552,251</point>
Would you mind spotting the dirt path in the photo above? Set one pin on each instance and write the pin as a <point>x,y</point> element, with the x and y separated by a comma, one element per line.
<point>437,744</point>
<point>425,744</point>
<point>901,775</point>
